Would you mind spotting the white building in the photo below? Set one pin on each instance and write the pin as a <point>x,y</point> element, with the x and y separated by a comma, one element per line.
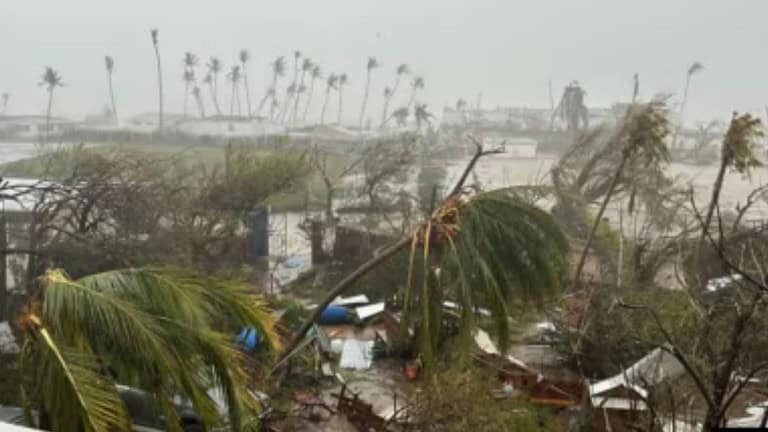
<point>33,126</point>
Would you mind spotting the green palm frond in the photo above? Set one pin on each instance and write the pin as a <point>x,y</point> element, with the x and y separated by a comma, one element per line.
<point>492,250</point>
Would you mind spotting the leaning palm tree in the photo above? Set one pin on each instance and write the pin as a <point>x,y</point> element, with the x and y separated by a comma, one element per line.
<point>693,69</point>
<point>214,69</point>
<point>198,101</point>
<point>342,82</point>
<point>160,330</point>
<point>330,84</point>
<point>278,70</point>
<point>290,91</point>
<point>403,69</point>
<point>154,34</point>
<point>641,136</point>
<point>491,249</point>
<point>316,74</point>
<point>245,56</point>
<point>416,85</point>
<point>190,63</point>
<point>51,79</point>
<point>372,64</point>
<point>306,66</point>
<point>738,154</point>
<point>4,100</point>
<point>401,116</point>
<point>110,66</point>
<point>234,76</point>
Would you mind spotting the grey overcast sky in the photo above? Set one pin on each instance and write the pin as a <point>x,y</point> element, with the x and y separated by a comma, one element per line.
<point>505,49</point>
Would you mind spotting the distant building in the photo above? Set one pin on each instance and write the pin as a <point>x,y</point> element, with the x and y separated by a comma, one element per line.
<point>29,127</point>
<point>148,122</point>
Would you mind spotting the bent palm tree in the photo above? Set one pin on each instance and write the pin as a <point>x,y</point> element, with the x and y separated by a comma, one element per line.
<point>158,330</point>
<point>278,70</point>
<point>154,33</point>
<point>290,91</point>
<point>245,56</point>
<point>422,116</point>
<point>403,69</point>
<point>4,101</point>
<point>401,116</point>
<point>316,74</point>
<point>214,69</point>
<point>372,64</point>
<point>109,63</point>
<point>330,84</point>
<point>693,69</point>
<point>51,79</point>
<point>342,82</point>
<point>199,101</point>
<point>490,248</point>
<point>306,66</point>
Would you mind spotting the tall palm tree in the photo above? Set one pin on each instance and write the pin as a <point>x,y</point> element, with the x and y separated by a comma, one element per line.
<point>214,69</point>
<point>316,74</point>
<point>330,84</point>
<point>401,116</point>
<point>245,56</point>
<point>306,66</point>
<point>208,80</point>
<point>154,34</point>
<point>50,79</point>
<point>403,69</point>
<point>342,82</point>
<point>234,76</point>
<point>159,330</point>
<point>4,100</point>
<point>693,69</point>
<point>371,65</point>
<point>416,85</point>
<point>190,64</point>
<point>278,70</point>
<point>109,63</point>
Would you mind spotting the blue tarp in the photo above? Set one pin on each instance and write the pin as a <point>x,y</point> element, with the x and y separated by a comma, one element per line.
<point>248,339</point>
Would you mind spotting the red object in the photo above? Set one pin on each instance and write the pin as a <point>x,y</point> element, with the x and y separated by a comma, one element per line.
<point>411,372</point>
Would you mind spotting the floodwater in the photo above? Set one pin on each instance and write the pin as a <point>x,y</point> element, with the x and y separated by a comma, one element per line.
<point>13,151</point>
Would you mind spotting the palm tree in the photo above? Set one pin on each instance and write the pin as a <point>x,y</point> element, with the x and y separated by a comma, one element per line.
<point>306,66</point>
<point>110,66</point>
<point>416,85</point>
<point>245,56</point>
<point>234,76</point>
<point>290,91</point>
<point>154,35</point>
<point>199,101</point>
<point>330,84</point>
<point>342,82</point>
<point>278,70</point>
<point>214,69</point>
<point>642,135</point>
<point>491,248</point>
<point>316,74</point>
<point>737,153</point>
<point>403,69</point>
<point>5,98</point>
<point>190,63</point>
<point>208,80</point>
<point>421,115</point>
<point>51,79</point>
<point>372,64</point>
<point>159,330</point>
<point>693,69</point>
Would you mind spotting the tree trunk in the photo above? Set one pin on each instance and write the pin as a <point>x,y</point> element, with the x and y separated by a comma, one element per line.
<point>598,218</point>
<point>309,100</point>
<point>284,111</point>
<point>341,100</point>
<point>232,100</point>
<point>48,116</point>
<point>716,188</point>
<point>264,99</point>
<point>325,105</point>
<point>200,104</point>
<point>112,98</point>
<point>384,114</point>
<point>365,99</point>
<point>247,92</point>
<point>160,89</point>
<point>186,98</point>
<point>295,114</point>
<point>215,92</point>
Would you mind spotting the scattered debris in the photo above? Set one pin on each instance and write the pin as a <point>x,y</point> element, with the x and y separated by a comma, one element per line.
<point>356,354</point>
<point>368,311</point>
<point>351,301</point>
<point>716,284</point>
